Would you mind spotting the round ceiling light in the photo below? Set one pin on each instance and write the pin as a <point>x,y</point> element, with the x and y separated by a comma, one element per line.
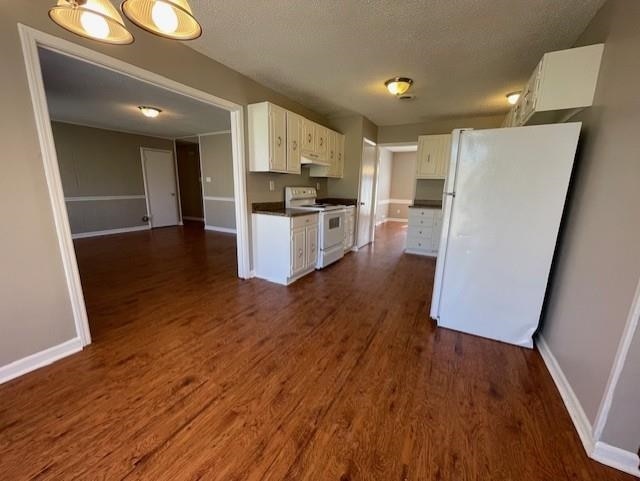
<point>166,18</point>
<point>398,85</point>
<point>95,19</point>
<point>513,97</point>
<point>151,112</point>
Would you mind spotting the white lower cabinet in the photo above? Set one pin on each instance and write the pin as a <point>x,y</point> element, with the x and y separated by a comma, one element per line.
<point>423,231</point>
<point>284,248</point>
<point>349,227</point>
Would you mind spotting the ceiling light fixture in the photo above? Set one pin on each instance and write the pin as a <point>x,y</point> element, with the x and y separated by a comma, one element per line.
<point>95,19</point>
<point>398,85</point>
<point>513,97</point>
<point>166,18</point>
<point>151,112</point>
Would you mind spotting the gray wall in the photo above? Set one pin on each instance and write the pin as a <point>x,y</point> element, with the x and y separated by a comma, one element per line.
<point>389,134</point>
<point>35,311</point>
<point>429,189</point>
<point>217,165</point>
<point>188,160</point>
<point>98,163</point>
<point>598,266</point>
<point>403,179</point>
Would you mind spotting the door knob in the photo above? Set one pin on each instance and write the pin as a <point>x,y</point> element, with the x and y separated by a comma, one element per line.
<point>361,203</point>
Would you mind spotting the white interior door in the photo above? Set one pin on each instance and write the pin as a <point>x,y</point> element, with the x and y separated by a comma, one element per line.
<point>160,184</point>
<point>365,207</point>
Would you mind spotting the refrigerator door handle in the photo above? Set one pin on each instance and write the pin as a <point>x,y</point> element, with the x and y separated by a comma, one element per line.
<point>452,194</point>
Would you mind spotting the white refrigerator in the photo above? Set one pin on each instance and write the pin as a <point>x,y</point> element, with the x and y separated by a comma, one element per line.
<point>503,203</point>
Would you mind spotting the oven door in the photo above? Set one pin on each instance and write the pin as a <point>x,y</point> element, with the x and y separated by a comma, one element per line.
<point>332,228</point>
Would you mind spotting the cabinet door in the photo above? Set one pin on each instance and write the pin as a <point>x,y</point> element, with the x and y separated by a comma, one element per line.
<point>298,250</point>
<point>277,138</point>
<point>339,155</point>
<point>312,245</point>
<point>426,161</point>
<point>443,156</point>
<point>321,141</point>
<point>332,154</point>
<point>294,137</point>
<point>308,136</point>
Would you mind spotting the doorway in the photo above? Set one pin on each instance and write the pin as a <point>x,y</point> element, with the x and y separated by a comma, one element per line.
<point>33,42</point>
<point>160,187</point>
<point>366,196</point>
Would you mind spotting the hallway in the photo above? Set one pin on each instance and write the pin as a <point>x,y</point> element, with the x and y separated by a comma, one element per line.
<point>195,374</point>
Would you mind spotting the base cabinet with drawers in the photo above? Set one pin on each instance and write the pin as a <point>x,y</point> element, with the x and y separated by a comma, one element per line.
<point>423,231</point>
<point>284,248</point>
<point>349,227</point>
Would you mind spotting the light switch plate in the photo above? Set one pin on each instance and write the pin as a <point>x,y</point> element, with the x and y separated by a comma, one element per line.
<point>208,179</point>
<point>272,186</point>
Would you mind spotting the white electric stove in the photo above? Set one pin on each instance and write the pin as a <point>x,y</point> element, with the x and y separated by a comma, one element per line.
<point>330,222</point>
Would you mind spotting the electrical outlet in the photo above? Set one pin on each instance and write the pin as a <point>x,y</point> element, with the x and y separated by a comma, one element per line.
<point>272,186</point>
<point>208,179</point>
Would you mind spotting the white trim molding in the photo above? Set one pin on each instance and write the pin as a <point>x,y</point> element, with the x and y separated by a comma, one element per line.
<point>39,359</point>
<point>91,198</point>
<point>401,201</point>
<point>122,230</point>
<point>396,219</point>
<point>226,230</point>
<point>206,134</point>
<point>578,416</point>
<point>219,199</point>
<point>616,458</point>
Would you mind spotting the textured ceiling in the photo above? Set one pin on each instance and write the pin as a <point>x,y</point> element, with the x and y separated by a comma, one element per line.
<point>334,55</point>
<point>83,93</point>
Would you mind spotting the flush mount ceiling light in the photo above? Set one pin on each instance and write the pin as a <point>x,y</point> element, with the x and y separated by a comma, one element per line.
<point>151,112</point>
<point>513,97</point>
<point>95,19</point>
<point>166,18</point>
<point>398,85</point>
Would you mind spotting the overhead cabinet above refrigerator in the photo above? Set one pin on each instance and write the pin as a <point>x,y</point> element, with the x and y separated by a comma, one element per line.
<point>562,83</point>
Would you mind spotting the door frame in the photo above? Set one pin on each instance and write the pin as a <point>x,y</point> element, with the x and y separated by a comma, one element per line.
<point>30,40</point>
<point>374,193</point>
<point>146,185</point>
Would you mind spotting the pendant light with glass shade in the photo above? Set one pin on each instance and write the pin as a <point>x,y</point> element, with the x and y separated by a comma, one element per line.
<point>166,18</point>
<point>94,19</point>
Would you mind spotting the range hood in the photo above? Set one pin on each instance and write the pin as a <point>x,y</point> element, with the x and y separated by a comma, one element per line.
<point>312,159</point>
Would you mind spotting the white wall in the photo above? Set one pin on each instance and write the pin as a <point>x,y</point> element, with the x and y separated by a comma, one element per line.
<point>403,183</point>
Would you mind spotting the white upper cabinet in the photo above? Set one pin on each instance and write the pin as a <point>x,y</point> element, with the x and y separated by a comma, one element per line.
<point>433,156</point>
<point>563,83</point>
<point>282,141</point>
<point>294,142</point>
<point>267,138</point>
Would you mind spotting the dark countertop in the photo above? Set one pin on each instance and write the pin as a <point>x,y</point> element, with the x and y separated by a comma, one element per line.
<point>429,204</point>
<point>277,208</point>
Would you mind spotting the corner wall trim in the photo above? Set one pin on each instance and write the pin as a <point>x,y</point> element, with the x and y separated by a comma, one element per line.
<point>39,359</point>
<point>616,458</point>
<point>95,233</point>
<point>571,402</point>
<point>215,228</point>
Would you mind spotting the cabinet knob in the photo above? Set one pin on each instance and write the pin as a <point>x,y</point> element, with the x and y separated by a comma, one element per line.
<point>279,141</point>
<point>299,252</point>
<point>295,144</point>
<point>309,138</point>
<point>321,141</point>
<point>429,158</point>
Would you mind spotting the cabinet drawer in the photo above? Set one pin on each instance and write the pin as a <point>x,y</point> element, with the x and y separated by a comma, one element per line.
<point>304,221</point>
<point>420,231</point>
<point>418,243</point>
<point>415,221</point>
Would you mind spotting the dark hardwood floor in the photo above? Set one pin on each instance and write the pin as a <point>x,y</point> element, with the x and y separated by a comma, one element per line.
<point>341,376</point>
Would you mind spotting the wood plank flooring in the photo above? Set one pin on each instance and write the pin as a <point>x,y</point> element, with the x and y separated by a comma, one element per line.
<point>196,375</point>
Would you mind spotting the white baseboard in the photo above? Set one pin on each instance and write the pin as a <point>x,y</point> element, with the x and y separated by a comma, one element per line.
<point>571,402</point>
<point>95,233</point>
<point>599,451</point>
<point>39,359</point>
<point>214,228</point>
<point>188,217</point>
<point>396,219</point>
<point>616,458</point>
